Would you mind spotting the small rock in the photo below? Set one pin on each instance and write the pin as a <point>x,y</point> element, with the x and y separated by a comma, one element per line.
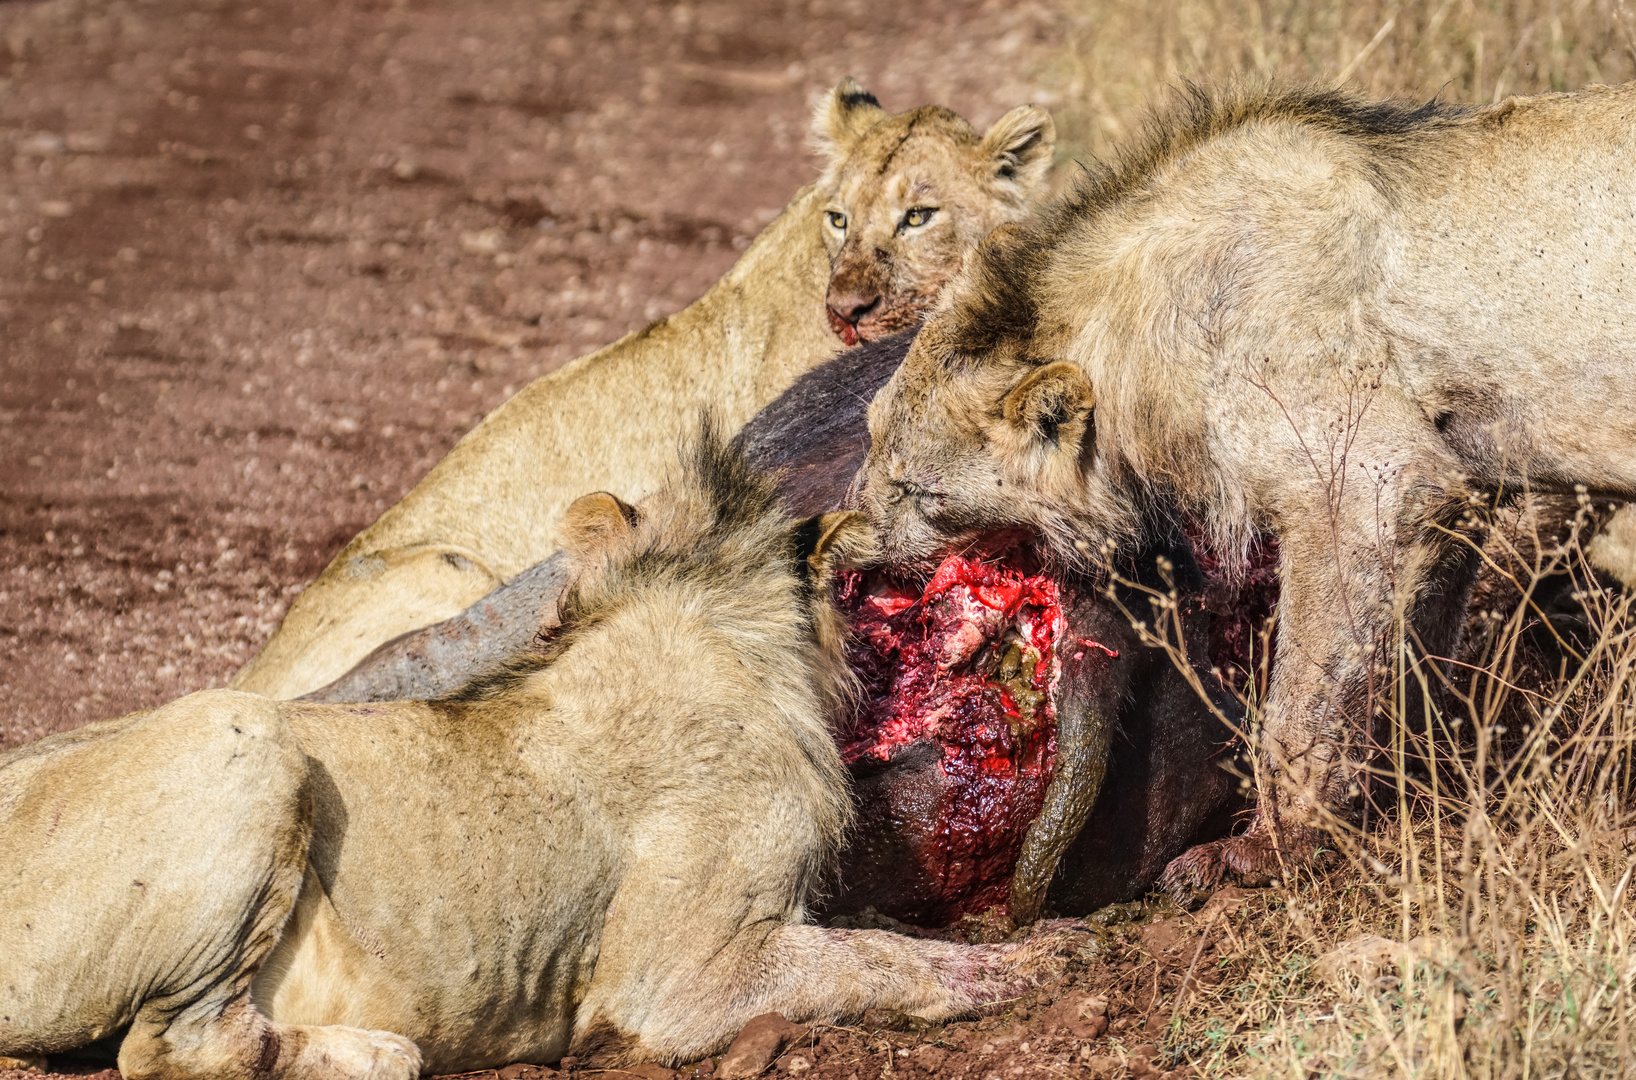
<point>758,1045</point>
<point>1166,940</point>
<point>86,142</point>
<point>1103,1067</point>
<point>42,144</point>
<point>1145,1050</point>
<point>794,1064</point>
<point>482,242</point>
<point>1083,1016</point>
<point>649,1070</point>
<point>1142,1068</point>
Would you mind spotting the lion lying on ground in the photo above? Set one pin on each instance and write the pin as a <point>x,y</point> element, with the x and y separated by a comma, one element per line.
<point>608,851</point>
<point>1348,321</point>
<point>901,200</point>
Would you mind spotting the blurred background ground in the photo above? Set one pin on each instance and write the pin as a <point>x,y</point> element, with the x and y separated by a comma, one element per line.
<point>261,266</point>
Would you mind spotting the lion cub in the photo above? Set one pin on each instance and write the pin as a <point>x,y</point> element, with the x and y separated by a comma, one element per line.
<point>607,852</point>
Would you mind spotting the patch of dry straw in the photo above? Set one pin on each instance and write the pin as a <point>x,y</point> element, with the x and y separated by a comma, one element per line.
<point>1117,53</point>
<point>1480,927</point>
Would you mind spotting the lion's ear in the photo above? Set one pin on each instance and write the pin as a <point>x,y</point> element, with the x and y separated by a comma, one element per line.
<point>837,539</point>
<point>594,520</point>
<point>1020,145</point>
<point>841,119</point>
<point>1050,398</point>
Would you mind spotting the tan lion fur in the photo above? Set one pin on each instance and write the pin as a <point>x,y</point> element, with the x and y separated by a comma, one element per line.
<point>909,199</point>
<point>492,507</point>
<point>607,852</point>
<point>1340,320</point>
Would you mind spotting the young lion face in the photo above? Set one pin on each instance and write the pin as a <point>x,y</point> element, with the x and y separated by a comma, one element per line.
<point>981,430</point>
<point>908,195</point>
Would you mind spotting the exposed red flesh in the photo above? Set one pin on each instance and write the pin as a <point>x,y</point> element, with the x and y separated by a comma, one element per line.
<point>1240,605</point>
<point>933,665</point>
<point>926,652</point>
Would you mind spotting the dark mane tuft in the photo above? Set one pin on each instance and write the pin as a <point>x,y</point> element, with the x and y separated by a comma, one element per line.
<point>859,96</point>
<point>999,305</point>
<point>721,471</point>
<point>1197,113</point>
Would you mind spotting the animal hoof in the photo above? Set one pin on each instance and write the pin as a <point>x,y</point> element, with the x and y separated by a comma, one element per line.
<point>1194,874</point>
<point>1250,859</point>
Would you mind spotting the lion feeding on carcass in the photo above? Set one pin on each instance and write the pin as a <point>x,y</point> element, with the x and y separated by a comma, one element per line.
<point>1015,746</point>
<point>587,853</point>
<point>903,197</point>
<point>1347,322</point>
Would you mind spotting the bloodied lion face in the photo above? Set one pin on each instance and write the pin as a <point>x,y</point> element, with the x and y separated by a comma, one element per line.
<point>908,195</point>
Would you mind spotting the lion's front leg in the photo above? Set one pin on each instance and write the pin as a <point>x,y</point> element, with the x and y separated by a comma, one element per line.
<point>680,1007</point>
<point>237,1042</point>
<point>1348,589</point>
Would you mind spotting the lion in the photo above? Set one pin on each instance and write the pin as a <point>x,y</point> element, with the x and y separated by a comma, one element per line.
<point>902,197</point>
<point>1090,843</point>
<point>1348,322</point>
<point>556,861</point>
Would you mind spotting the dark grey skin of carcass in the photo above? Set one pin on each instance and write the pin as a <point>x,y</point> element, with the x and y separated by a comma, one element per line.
<point>1139,773</point>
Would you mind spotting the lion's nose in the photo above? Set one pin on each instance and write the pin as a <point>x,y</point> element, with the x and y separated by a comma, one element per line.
<point>854,306</point>
<point>849,309</point>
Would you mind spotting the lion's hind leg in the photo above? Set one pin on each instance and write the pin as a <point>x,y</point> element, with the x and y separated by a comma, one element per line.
<point>150,867</point>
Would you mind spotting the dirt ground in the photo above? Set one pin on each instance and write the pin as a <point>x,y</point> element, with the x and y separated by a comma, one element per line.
<point>261,266</point>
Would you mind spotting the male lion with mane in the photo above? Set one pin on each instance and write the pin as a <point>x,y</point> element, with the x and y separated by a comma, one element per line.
<point>901,200</point>
<point>1346,322</point>
<point>607,851</point>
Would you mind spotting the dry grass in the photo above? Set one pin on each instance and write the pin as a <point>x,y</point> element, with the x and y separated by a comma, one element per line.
<point>1495,879</point>
<point>1117,53</point>
<point>1480,928</point>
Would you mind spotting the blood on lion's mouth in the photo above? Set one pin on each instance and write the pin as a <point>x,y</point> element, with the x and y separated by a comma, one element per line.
<point>966,664</point>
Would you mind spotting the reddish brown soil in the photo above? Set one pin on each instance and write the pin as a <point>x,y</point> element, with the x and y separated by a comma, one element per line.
<point>261,266</point>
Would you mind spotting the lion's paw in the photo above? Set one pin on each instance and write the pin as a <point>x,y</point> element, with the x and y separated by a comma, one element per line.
<point>1010,971</point>
<point>1044,954</point>
<point>355,1054</point>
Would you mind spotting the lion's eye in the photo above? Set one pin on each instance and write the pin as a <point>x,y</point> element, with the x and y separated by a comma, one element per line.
<point>837,221</point>
<point>919,216</point>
